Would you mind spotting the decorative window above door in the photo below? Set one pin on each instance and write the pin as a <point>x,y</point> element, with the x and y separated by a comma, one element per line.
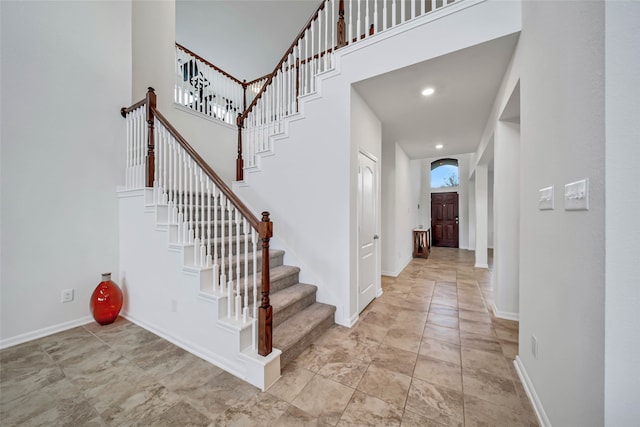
<point>444,173</point>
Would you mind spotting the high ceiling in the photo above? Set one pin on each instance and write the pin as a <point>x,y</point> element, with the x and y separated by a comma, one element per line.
<point>211,29</point>
<point>465,82</point>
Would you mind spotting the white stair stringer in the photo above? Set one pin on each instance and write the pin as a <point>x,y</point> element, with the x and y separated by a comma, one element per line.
<point>175,300</point>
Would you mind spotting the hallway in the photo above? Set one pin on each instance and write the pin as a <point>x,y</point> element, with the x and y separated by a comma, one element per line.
<point>426,353</point>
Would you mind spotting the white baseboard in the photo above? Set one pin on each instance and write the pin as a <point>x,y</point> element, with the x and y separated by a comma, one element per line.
<point>49,330</point>
<point>389,273</point>
<point>505,314</point>
<point>543,420</point>
<point>478,265</point>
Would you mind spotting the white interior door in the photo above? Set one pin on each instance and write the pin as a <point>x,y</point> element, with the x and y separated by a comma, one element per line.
<point>367,238</point>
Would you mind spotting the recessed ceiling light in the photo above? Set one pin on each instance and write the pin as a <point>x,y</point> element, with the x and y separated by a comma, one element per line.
<point>428,91</point>
<point>439,146</point>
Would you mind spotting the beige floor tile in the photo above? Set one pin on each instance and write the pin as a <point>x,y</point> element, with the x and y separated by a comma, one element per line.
<point>390,386</point>
<point>486,362</point>
<point>481,413</point>
<point>437,403</point>
<point>492,388</point>
<point>443,310</point>
<point>411,419</point>
<point>371,411</point>
<point>480,342</point>
<point>261,409</point>
<point>325,399</point>
<point>291,382</point>
<point>442,320</point>
<point>395,359</point>
<point>440,350</point>
<point>479,328</point>
<point>476,316</point>
<point>441,333</point>
<point>182,413</point>
<point>295,417</point>
<point>344,369</point>
<point>403,338</point>
<point>439,372</point>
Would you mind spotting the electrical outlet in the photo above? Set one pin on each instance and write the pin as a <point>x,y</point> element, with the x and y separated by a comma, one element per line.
<point>534,346</point>
<point>67,295</point>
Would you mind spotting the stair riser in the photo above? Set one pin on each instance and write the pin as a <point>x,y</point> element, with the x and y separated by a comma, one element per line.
<point>294,351</point>
<point>280,316</point>
<point>276,285</point>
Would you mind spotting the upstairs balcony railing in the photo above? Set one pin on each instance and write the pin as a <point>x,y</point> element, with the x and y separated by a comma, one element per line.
<point>259,107</point>
<point>207,89</point>
<point>334,25</point>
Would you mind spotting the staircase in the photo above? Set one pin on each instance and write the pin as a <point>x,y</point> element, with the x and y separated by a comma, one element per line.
<point>298,319</point>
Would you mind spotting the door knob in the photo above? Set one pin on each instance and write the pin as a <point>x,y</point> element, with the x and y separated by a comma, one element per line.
<point>375,237</point>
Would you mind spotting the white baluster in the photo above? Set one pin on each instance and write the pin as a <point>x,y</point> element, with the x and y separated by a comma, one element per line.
<point>254,241</point>
<point>433,5</point>
<point>394,19</point>
<point>375,17</point>
<point>423,6</point>
<point>223,277</point>
<point>333,29</point>
<point>413,9</point>
<point>403,10</point>
<point>230,293</point>
<point>208,256</point>
<point>216,268</point>
<point>350,40</point>
<point>358,22</point>
<point>238,297</point>
<point>245,310</point>
<point>366,21</point>
<point>326,35</point>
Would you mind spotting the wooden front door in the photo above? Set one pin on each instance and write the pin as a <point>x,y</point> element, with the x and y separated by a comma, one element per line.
<point>444,219</point>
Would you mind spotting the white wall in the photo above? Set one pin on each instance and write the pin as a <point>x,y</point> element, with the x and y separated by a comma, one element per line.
<point>622,270</point>
<point>406,210</point>
<point>154,28</point>
<point>462,189</point>
<point>66,71</point>
<point>313,217</point>
<point>366,138</point>
<point>561,259</point>
<point>506,220</point>
<point>388,201</point>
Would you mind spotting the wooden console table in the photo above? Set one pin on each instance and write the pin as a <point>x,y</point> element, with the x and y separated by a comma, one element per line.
<point>421,245</point>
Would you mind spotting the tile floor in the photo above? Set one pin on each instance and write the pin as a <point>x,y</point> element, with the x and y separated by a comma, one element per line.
<point>426,353</point>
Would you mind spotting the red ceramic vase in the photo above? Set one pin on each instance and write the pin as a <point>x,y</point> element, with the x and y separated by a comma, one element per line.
<point>106,301</point>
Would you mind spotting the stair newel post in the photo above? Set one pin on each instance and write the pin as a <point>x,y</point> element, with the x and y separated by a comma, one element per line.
<point>341,32</point>
<point>244,94</point>
<point>239,160</point>
<point>151,156</point>
<point>265,311</point>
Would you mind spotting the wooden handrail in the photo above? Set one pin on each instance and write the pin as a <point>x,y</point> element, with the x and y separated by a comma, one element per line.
<point>218,69</point>
<point>126,110</point>
<point>264,226</point>
<point>230,195</point>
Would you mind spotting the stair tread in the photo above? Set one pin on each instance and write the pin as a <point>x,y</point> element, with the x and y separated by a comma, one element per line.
<point>287,296</point>
<point>300,324</point>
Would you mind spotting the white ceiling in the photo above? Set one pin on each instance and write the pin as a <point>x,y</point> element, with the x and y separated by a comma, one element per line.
<point>229,33</point>
<point>466,81</point>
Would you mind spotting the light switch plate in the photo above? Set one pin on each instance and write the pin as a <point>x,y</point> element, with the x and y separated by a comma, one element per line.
<point>545,199</point>
<point>576,195</point>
